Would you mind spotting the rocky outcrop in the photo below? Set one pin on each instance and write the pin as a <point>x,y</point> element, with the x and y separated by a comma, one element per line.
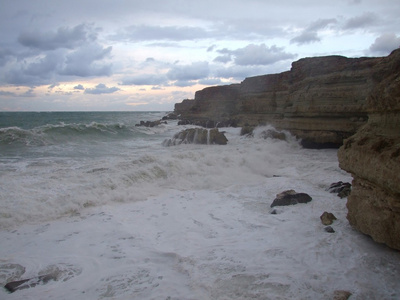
<point>372,156</point>
<point>197,136</point>
<point>321,100</point>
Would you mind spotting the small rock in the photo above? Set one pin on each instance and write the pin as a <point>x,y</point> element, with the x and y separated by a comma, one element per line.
<point>327,218</point>
<point>329,229</point>
<point>290,197</point>
<point>273,212</point>
<point>341,295</point>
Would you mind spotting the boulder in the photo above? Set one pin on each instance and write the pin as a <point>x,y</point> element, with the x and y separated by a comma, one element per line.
<point>290,197</point>
<point>329,229</point>
<point>327,218</point>
<point>198,136</point>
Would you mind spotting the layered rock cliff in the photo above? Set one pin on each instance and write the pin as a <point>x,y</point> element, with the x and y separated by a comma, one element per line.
<point>372,156</point>
<point>321,100</point>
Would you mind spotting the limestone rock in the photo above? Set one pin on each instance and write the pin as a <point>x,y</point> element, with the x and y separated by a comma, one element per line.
<point>290,197</point>
<point>372,156</point>
<point>321,100</point>
<point>198,136</point>
<point>327,218</point>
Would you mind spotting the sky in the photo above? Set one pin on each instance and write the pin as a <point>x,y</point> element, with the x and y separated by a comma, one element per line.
<point>146,55</point>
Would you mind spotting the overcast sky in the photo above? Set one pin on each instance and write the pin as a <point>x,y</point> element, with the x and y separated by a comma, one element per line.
<point>149,54</point>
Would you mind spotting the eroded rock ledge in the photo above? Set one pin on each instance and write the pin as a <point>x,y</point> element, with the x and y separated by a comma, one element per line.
<point>321,100</point>
<point>372,156</point>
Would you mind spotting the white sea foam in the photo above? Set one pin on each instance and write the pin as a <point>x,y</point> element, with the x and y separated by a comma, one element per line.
<point>186,222</point>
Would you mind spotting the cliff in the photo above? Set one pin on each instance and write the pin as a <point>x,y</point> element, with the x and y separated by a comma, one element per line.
<point>321,100</point>
<point>372,156</point>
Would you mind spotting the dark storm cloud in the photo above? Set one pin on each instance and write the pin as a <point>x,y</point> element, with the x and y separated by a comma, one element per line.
<point>253,55</point>
<point>385,44</point>
<point>101,88</point>
<point>64,37</point>
<point>310,34</point>
<point>194,71</point>
<point>86,61</point>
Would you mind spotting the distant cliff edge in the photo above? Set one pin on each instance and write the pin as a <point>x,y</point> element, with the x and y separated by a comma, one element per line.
<point>321,100</point>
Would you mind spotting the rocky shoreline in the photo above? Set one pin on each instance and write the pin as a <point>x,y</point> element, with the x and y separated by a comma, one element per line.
<point>327,102</point>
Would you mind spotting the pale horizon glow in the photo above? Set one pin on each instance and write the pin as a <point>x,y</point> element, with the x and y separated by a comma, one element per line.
<point>148,55</point>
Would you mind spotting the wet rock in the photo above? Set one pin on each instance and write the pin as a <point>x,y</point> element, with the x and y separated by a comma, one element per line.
<point>247,131</point>
<point>28,283</point>
<point>341,295</point>
<point>327,218</point>
<point>150,123</point>
<point>342,189</point>
<point>198,136</point>
<point>273,134</point>
<point>290,197</point>
<point>329,229</point>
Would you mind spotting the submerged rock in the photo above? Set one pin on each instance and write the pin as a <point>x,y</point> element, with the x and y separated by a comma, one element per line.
<point>198,136</point>
<point>290,197</point>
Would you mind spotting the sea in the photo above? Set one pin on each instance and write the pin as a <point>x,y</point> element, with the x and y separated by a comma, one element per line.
<point>106,211</point>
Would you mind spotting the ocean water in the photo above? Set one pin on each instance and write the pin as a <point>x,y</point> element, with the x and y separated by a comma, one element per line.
<point>110,213</point>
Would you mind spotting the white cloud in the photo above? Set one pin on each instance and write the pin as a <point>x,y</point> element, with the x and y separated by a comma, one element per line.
<point>310,34</point>
<point>385,44</point>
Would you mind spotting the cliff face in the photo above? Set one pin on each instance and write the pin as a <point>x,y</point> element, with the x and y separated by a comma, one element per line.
<point>372,155</point>
<point>321,100</point>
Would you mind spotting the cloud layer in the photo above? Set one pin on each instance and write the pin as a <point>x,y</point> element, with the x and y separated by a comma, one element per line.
<point>162,50</point>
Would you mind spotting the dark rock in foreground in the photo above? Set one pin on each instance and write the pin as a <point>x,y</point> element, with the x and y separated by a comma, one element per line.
<point>198,136</point>
<point>290,197</point>
<point>28,283</point>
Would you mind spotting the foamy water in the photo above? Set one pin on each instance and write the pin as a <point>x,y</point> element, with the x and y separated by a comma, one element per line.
<point>130,219</point>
